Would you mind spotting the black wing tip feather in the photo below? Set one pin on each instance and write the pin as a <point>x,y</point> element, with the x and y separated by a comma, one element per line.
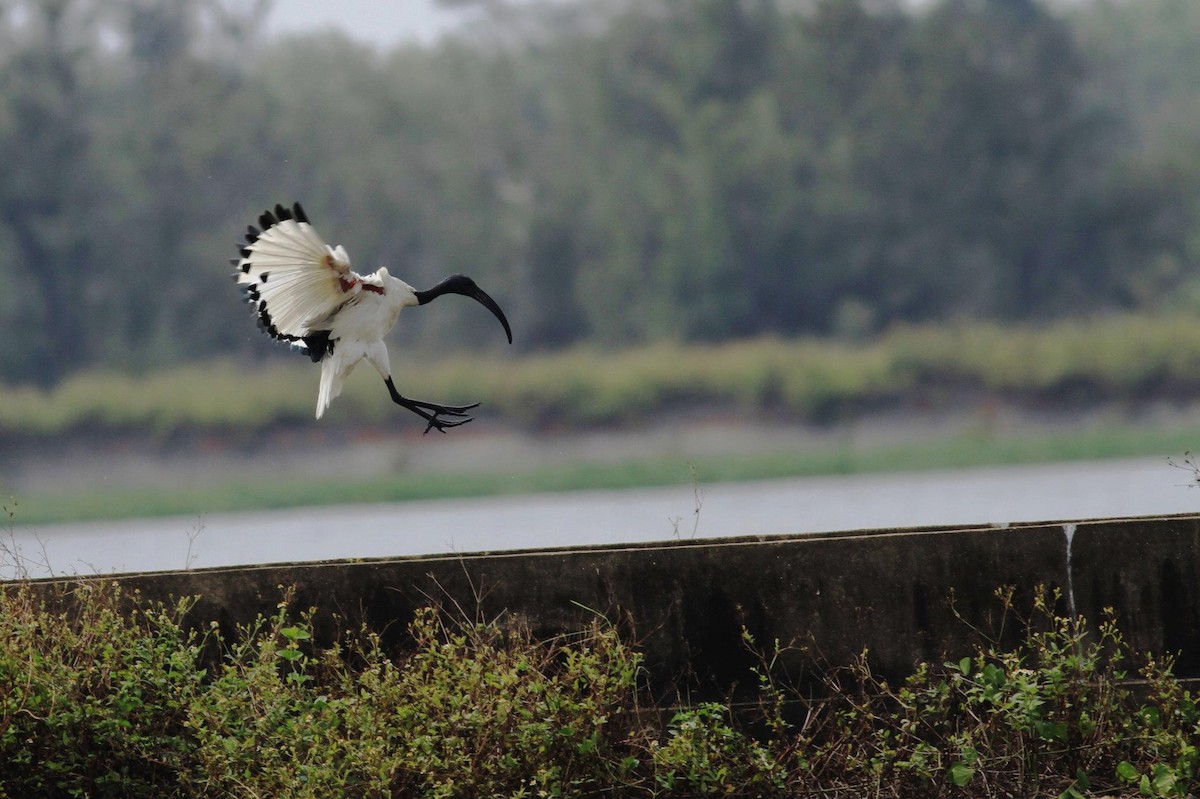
<point>273,216</point>
<point>296,212</point>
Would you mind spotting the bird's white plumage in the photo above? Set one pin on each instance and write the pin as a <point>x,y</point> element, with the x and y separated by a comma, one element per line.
<point>337,367</point>
<point>302,287</point>
<point>305,293</point>
<point>299,279</point>
<point>359,327</point>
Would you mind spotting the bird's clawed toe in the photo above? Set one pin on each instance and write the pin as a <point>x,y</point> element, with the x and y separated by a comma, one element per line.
<point>458,414</point>
<point>441,425</point>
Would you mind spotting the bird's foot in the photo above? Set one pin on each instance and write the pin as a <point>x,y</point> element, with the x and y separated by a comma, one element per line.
<point>441,425</point>
<point>431,412</point>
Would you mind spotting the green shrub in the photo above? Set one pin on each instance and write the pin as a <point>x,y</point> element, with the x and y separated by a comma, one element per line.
<point>474,710</point>
<point>1054,716</point>
<point>105,694</point>
<point>95,690</point>
<point>704,755</point>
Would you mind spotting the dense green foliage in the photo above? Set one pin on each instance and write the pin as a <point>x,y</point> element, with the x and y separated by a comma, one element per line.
<point>613,172</point>
<point>105,694</point>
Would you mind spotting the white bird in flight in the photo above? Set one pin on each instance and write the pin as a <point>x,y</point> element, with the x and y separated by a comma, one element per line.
<point>304,293</point>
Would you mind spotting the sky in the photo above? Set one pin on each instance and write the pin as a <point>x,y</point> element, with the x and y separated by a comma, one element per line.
<point>383,23</point>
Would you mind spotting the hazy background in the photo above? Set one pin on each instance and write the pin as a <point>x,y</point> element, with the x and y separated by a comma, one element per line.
<point>616,172</point>
<point>746,238</point>
<point>384,24</point>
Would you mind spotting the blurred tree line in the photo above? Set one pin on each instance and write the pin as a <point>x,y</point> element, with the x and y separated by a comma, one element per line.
<point>611,170</point>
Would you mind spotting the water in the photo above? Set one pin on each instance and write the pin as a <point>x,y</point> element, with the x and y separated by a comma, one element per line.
<point>1066,491</point>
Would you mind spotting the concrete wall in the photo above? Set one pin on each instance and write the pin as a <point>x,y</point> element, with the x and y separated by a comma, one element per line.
<point>1149,571</point>
<point>886,591</point>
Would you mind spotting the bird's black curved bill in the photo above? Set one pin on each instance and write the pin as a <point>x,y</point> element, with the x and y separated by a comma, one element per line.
<point>461,284</point>
<point>487,302</point>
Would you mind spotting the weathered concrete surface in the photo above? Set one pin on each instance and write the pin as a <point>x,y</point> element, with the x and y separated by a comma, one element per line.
<point>901,595</point>
<point>1149,571</point>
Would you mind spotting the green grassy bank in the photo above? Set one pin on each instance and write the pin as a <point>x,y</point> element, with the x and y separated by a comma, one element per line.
<point>1123,357</point>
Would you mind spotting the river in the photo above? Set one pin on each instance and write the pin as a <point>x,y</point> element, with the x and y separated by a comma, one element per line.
<point>993,495</point>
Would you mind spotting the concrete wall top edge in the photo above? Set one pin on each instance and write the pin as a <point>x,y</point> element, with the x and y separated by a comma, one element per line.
<point>650,546</point>
<point>903,594</point>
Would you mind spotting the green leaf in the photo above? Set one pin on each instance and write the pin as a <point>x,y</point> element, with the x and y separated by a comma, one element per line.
<point>993,675</point>
<point>1127,771</point>
<point>960,774</point>
<point>969,755</point>
<point>964,666</point>
<point>295,633</point>
<point>1051,730</point>
<point>290,654</point>
<point>1164,780</point>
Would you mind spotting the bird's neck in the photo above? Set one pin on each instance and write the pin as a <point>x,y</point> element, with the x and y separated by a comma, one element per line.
<point>451,285</point>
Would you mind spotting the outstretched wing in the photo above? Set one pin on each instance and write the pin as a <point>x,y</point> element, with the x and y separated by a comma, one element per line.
<point>294,280</point>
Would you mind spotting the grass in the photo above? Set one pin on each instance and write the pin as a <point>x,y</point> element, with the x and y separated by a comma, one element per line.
<point>957,451</point>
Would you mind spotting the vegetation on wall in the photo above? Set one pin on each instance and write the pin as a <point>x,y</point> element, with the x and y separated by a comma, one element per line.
<point>103,693</point>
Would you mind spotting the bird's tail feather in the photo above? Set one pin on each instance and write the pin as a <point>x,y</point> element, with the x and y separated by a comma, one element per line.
<point>330,386</point>
<point>334,371</point>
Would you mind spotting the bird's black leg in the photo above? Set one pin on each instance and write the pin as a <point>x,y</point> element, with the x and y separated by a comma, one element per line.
<point>423,409</point>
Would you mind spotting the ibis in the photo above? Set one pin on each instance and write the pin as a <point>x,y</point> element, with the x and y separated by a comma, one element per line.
<point>304,293</point>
